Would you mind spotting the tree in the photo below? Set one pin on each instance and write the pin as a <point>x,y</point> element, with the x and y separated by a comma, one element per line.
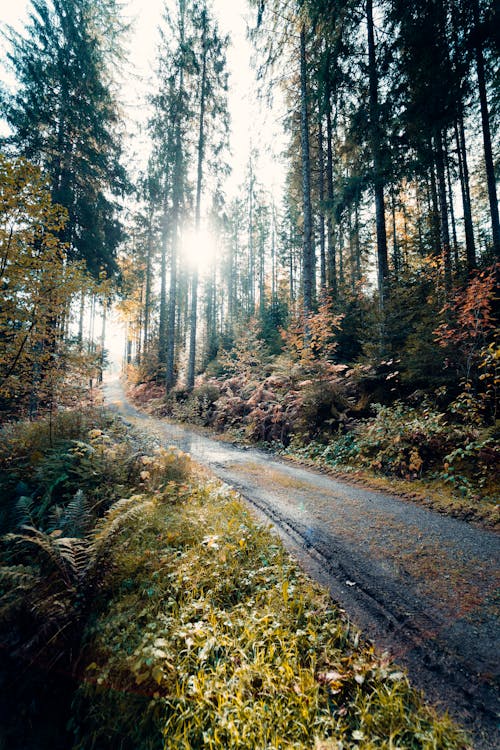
<point>38,286</point>
<point>64,117</point>
<point>212,109</point>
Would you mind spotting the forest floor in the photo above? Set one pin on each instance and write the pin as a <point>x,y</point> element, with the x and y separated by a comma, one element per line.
<point>422,586</point>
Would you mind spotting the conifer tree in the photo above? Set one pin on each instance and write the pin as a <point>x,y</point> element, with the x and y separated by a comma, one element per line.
<point>64,118</point>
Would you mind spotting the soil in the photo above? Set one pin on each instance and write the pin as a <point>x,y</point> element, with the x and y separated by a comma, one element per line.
<point>422,586</point>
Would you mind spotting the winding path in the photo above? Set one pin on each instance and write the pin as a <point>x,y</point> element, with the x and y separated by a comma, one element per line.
<point>422,586</point>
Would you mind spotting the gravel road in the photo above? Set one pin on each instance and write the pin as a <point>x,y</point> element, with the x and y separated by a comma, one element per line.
<point>422,586</point>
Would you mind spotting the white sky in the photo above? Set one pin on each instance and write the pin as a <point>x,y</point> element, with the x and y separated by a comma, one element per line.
<point>252,126</point>
<point>246,113</point>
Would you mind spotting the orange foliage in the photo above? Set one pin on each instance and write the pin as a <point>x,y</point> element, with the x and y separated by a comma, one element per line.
<point>312,337</point>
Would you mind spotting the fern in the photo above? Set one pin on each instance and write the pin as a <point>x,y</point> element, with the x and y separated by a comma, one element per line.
<point>17,583</point>
<point>71,569</point>
<point>77,518</point>
<point>120,514</point>
<point>24,511</point>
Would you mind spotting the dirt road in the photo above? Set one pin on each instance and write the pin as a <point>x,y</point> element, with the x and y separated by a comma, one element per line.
<point>421,586</point>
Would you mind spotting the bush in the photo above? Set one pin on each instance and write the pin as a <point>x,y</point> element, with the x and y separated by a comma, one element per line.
<point>62,547</point>
<point>403,441</point>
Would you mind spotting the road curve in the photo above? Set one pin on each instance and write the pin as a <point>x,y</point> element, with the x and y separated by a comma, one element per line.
<point>422,586</point>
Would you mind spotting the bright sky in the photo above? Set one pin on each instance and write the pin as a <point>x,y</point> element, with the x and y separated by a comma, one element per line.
<point>246,112</point>
<point>252,126</point>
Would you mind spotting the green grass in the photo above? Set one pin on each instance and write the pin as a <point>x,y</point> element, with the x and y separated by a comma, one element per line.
<point>201,632</point>
<point>212,638</point>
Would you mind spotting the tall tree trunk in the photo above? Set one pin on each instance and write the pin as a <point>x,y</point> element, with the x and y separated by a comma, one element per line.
<point>251,245</point>
<point>321,196</point>
<point>199,179</point>
<point>232,277</point>
<point>358,243</point>
<point>274,269</point>
<point>456,259</point>
<point>352,250</point>
<point>395,247</point>
<point>262,258</point>
<point>443,211</point>
<point>80,320</point>
<point>147,291</point>
<point>470,249</point>
<point>307,260</point>
<point>376,147</point>
<point>103,339</point>
<point>332,261</point>
<point>341,260</point>
<point>485,122</point>
<point>177,195</point>
<point>434,209</point>
<point>162,326</point>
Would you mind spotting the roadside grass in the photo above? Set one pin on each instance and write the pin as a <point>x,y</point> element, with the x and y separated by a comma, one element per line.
<point>209,636</point>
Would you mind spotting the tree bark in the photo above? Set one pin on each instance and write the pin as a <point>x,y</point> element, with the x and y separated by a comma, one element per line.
<point>485,122</point>
<point>307,261</point>
<point>177,194</point>
<point>332,261</point>
<point>199,179</point>
<point>456,259</point>
<point>162,326</point>
<point>376,147</point>
<point>443,211</point>
<point>147,291</point>
<point>321,196</point>
<point>463,168</point>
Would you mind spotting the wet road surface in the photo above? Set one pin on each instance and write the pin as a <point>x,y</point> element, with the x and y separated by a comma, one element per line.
<point>422,586</point>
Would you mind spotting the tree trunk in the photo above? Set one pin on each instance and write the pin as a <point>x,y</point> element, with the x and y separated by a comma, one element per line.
<point>463,169</point>
<point>456,259</point>
<point>147,291</point>
<point>443,211</point>
<point>395,247</point>
<point>162,326</point>
<point>376,147</point>
<point>332,261</point>
<point>177,194</point>
<point>251,248</point>
<point>321,195</point>
<point>485,122</point>
<point>434,210</point>
<point>307,260</point>
<point>358,243</point>
<point>199,179</point>
<point>103,339</point>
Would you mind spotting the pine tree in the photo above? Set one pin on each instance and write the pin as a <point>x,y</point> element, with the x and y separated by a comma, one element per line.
<point>63,117</point>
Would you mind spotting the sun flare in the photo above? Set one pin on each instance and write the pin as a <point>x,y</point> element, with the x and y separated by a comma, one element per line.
<point>199,249</point>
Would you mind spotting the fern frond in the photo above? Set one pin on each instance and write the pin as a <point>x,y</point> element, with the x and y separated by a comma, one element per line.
<point>18,576</point>
<point>19,583</point>
<point>60,551</point>
<point>118,516</point>
<point>24,511</point>
<point>56,515</point>
<point>77,517</point>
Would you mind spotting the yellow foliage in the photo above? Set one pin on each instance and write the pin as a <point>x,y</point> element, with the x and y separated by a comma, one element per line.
<point>37,281</point>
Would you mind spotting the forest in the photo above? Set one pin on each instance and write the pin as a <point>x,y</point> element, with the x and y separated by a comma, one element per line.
<point>344,318</point>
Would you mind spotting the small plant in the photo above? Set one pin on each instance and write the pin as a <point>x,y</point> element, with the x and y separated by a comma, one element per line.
<point>213,638</point>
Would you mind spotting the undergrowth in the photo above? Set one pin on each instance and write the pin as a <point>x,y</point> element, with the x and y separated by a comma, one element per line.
<point>142,608</point>
<point>212,638</point>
